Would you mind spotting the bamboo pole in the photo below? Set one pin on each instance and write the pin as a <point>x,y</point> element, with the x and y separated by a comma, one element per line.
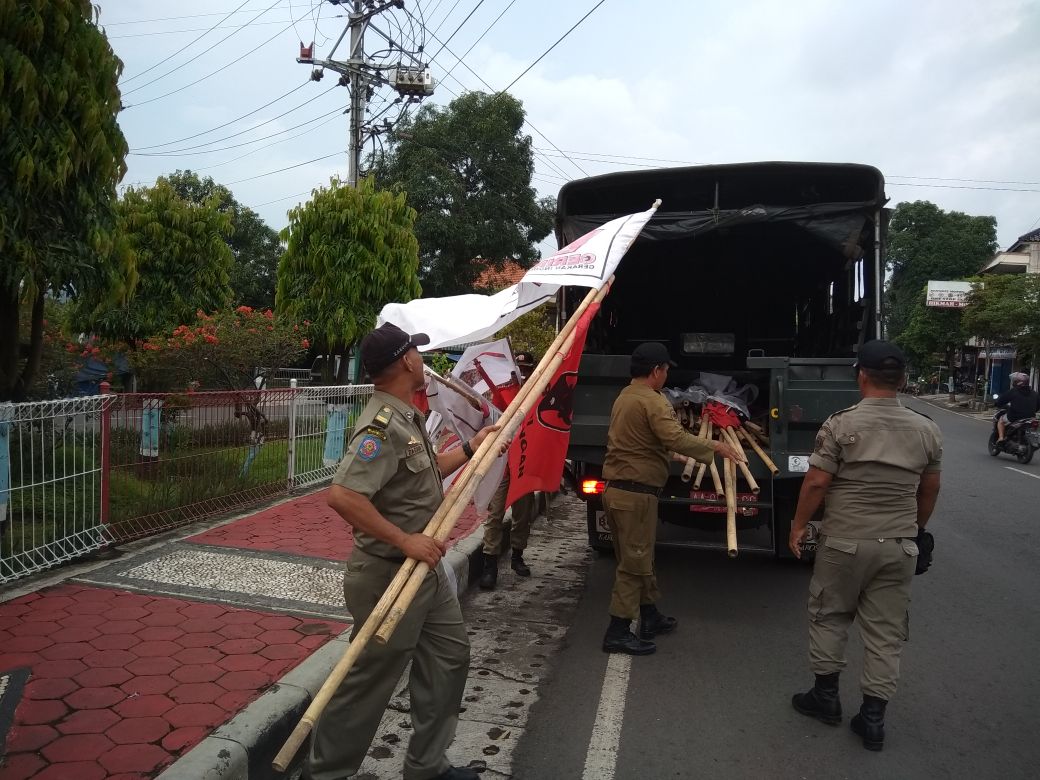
<point>703,467</point>
<point>759,451</point>
<point>688,466</point>
<point>731,507</point>
<point>467,392</point>
<point>716,480</point>
<point>439,527</point>
<point>731,439</point>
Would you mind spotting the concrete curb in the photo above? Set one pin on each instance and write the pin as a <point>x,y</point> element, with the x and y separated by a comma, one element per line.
<point>243,748</point>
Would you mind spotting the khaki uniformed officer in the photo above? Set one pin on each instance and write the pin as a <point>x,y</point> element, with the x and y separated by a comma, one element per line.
<point>387,488</point>
<point>643,433</point>
<point>876,468</point>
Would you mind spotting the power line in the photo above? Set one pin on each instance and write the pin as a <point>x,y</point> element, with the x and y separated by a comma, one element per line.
<point>191,30</point>
<point>221,69</point>
<point>173,18</point>
<point>461,25</point>
<point>177,152</point>
<point>287,168</point>
<point>478,40</point>
<point>480,78</point>
<point>188,62</point>
<point>336,110</point>
<point>266,146</point>
<point>558,42</point>
<point>231,122</point>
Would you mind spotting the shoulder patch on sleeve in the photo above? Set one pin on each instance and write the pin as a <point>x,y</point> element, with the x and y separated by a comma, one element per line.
<point>368,447</point>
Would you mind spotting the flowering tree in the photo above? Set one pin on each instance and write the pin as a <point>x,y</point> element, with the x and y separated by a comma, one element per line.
<point>222,351</point>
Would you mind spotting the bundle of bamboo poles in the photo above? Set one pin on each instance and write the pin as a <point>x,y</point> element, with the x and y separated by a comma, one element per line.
<point>401,591</point>
<point>746,434</point>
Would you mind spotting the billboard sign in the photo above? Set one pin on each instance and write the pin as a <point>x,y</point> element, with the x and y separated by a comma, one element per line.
<point>948,295</point>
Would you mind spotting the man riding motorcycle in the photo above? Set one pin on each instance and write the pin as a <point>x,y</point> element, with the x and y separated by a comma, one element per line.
<point>1020,403</point>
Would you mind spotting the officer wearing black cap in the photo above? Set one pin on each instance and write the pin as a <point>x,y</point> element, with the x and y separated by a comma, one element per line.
<point>643,433</point>
<point>387,488</point>
<point>875,469</point>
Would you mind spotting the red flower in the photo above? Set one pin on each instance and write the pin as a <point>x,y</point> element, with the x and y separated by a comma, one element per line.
<point>244,310</point>
<point>211,339</point>
<point>306,343</point>
<point>269,314</point>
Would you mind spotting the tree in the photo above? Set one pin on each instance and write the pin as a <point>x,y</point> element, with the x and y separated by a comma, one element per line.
<point>1005,309</point>
<point>926,243</point>
<point>348,253</point>
<point>532,332</point>
<point>467,172</point>
<point>253,242</point>
<point>182,261</point>
<point>932,332</point>
<point>61,157</point>
<point>220,351</point>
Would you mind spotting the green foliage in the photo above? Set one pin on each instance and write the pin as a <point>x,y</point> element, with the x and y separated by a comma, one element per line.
<point>253,242</point>
<point>532,332</point>
<point>926,243</point>
<point>439,362</point>
<point>1005,309</point>
<point>61,155</point>
<point>467,171</point>
<point>931,332</point>
<point>221,351</point>
<point>183,263</point>
<point>348,253</point>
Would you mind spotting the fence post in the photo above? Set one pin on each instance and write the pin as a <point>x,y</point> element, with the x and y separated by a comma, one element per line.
<point>106,448</point>
<point>292,434</point>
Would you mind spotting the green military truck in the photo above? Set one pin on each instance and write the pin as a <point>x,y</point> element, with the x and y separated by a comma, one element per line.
<point>768,273</point>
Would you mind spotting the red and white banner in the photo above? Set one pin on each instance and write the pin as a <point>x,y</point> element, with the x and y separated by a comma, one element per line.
<point>539,448</point>
<point>459,319</point>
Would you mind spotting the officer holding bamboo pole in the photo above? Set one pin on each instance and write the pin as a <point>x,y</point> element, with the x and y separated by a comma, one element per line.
<point>387,488</point>
<point>643,432</point>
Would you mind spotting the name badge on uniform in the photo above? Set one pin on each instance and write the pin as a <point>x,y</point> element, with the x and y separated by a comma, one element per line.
<point>413,449</point>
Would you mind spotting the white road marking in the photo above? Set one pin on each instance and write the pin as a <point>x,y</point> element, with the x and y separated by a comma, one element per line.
<point>1034,476</point>
<point>601,758</point>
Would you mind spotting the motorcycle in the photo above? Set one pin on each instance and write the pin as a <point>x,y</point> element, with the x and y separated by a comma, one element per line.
<point>1021,438</point>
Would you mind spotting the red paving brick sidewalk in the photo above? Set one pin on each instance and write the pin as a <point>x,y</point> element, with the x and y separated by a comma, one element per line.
<point>304,526</point>
<point>123,683</point>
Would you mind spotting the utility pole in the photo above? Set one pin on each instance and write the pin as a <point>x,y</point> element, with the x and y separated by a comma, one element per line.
<point>412,82</point>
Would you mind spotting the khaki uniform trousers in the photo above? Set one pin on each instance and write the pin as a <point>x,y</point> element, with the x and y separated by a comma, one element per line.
<point>431,635</point>
<point>525,509</point>
<point>632,518</point>
<point>866,580</point>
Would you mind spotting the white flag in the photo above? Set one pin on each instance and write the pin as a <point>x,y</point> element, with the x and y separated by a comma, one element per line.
<point>586,262</point>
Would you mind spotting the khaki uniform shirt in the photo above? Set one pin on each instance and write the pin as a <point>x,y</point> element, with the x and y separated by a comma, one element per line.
<point>391,462</point>
<point>643,433</point>
<point>877,451</point>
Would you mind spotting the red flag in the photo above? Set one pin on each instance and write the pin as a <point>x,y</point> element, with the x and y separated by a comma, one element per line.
<point>540,446</point>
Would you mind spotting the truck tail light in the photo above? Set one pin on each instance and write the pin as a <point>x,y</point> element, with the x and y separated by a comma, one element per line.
<point>593,487</point>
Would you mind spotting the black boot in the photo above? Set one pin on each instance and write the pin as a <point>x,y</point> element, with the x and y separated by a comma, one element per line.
<point>489,576</point>
<point>458,773</point>
<point>870,723</point>
<point>521,568</point>
<point>620,639</point>
<point>652,622</point>
<point>821,701</point>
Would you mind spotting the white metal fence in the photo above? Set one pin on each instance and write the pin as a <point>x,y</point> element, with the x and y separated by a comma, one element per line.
<point>79,474</point>
<point>50,483</point>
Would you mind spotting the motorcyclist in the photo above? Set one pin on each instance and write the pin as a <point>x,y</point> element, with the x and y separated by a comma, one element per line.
<point>1021,402</point>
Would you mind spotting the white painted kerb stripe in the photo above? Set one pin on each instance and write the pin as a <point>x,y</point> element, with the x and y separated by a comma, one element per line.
<point>601,760</point>
<point>1019,471</point>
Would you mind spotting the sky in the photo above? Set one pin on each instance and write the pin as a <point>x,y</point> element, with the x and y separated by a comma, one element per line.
<point>943,96</point>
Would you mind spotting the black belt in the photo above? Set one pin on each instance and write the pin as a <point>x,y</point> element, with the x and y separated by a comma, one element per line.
<point>634,487</point>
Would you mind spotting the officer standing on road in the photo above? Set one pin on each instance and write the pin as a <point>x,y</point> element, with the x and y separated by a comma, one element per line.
<point>876,467</point>
<point>524,512</point>
<point>643,433</point>
<point>387,488</point>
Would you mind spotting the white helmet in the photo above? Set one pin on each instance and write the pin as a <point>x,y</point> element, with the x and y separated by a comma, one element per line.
<point>1018,378</point>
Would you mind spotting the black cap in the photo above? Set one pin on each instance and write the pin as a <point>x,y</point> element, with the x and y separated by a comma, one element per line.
<point>525,359</point>
<point>652,353</point>
<point>880,355</point>
<point>386,344</point>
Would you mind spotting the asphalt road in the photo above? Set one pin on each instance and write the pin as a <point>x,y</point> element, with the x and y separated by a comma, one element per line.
<point>715,699</point>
